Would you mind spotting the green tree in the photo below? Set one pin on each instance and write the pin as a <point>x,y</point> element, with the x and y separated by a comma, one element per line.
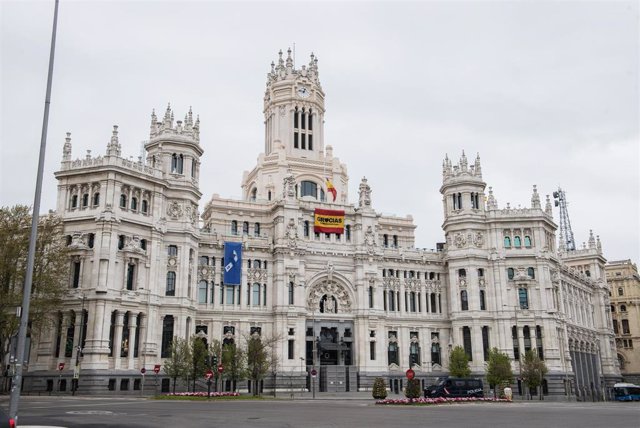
<point>459,363</point>
<point>234,363</point>
<point>50,273</point>
<point>198,354</point>
<point>499,371</point>
<point>413,389</point>
<point>533,371</point>
<point>177,365</point>
<point>260,358</point>
<point>379,391</point>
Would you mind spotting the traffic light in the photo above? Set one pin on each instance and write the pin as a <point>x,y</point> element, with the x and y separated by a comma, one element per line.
<point>215,360</point>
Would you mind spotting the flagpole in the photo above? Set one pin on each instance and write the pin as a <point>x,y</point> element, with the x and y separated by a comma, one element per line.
<point>26,292</point>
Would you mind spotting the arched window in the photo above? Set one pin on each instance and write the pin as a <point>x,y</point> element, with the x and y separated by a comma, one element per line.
<point>145,206</point>
<point>480,273</point>
<point>306,228</point>
<point>510,273</point>
<point>531,273</point>
<point>485,342</point>
<point>131,272</point>
<point>464,301</point>
<point>623,308</point>
<point>202,291</point>
<point>256,229</point>
<point>254,195</point>
<point>174,163</point>
<point>620,291</point>
<point>523,298</point>
<point>85,200</point>
<point>245,227</point>
<point>234,227</point>
<point>171,284</point>
<point>134,204</point>
<point>385,240</point>
<point>395,241</point>
<point>255,298</point>
<point>527,241</point>
<point>123,201</point>
<point>516,242</point>
<point>516,343</point>
<point>507,242</point>
<point>308,188</point>
<point>526,334</point>
<point>180,164</point>
<point>96,199</point>
<point>193,168</point>
<point>74,201</point>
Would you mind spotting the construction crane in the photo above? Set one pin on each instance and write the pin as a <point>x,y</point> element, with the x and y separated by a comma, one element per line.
<point>566,240</point>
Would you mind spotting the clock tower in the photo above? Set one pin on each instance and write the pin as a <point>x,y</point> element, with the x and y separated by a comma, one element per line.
<point>294,138</point>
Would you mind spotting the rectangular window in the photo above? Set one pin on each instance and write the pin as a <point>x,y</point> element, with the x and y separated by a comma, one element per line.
<point>523,298</point>
<point>625,327</point>
<point>131,269</point>
<point>372,351</point>
<point>291,293</point>
<point>172,250</point>
<point>76,275</point>
<point>466,339</point>
<point>370,297</point>
<point>230,295</point>
<point>310,140</point>
<point>483,305</point>
<point>485,342</point>
<point>290,348</point>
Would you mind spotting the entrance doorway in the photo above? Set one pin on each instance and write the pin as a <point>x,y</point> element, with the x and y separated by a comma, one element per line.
<point>330,349</point>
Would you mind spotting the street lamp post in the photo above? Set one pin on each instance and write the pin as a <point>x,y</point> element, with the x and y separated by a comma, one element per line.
<point>76,370</point>
<point>302,370</point>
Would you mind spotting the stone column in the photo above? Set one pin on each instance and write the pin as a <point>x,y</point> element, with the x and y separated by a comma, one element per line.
<point>76,335</point>
<point>63,335</point>
<point>117,339</point>
<point>141,337</point>
<point>133,323</point>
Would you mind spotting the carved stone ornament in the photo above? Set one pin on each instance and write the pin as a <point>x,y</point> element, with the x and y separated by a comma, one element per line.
<point>333,297</point>
<point>289,186</point>
<point>365,193</point>
<point>459,240</point>
<point>78,241</point>
<point>283,111</point>
<point>370,240</point>
<point>478,239</point>
<point>174,210</point>
<point>291,234</point>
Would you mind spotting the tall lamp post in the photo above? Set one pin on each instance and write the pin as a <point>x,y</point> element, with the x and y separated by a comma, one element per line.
<point>302,360</point>
<point>76,369</point>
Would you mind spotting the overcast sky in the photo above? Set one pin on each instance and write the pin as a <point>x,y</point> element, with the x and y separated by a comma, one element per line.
<point>546,92</point>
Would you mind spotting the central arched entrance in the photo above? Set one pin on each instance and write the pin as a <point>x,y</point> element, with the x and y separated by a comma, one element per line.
<point>330,342</point>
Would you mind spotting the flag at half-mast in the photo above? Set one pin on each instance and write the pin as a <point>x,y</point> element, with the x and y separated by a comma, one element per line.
<point>331,189</point>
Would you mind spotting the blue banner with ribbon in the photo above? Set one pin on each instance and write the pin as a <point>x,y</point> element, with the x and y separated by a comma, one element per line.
<point>232,263</point>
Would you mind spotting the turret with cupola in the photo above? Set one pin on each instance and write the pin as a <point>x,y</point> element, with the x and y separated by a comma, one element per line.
<point>294,138</point>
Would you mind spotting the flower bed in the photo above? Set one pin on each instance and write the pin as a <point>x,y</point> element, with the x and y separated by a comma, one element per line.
<point>440,400</point>
<point>203,394</point>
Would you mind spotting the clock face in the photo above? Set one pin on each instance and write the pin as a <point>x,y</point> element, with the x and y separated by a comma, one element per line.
<point>303,92</point>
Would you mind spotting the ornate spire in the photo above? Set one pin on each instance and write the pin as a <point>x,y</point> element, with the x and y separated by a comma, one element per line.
<point>289,60</point>
<point>492,203</point>
<point>154,124</point>
<point>113,148</point>
<point>547,207</point>
<point>477,166</point>
<point>598,243</point>
<point>535,198</point>
<point>167,122</point>
<point>463,162</point>
<point>592,240</point>
<point>66,149</point>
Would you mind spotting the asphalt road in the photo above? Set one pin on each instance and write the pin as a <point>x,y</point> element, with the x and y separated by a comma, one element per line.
<point>109,412</point>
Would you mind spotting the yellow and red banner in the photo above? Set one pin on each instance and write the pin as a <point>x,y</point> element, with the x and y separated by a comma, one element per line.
<point>328,221</point>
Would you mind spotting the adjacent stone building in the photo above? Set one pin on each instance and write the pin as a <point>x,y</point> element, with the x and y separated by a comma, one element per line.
<point>624,281</point>
<point>147,265</point>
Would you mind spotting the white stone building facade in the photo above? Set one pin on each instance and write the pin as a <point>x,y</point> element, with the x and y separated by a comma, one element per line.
<point>147,266</point>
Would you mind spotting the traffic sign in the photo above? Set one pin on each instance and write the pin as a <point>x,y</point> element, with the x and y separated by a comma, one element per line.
<point>314,373</point>
<point>208,374</point>
<point>410,374</point>
<point>220,368</point>
<point>76,372</point>
<point>143,371</point>
<point>156,368</point>
<point>60,366</point>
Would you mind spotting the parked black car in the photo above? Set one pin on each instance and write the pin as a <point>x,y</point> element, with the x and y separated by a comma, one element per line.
<point>452,387</point>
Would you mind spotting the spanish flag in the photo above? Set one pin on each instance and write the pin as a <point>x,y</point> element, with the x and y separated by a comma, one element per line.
<point>331,189</point>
